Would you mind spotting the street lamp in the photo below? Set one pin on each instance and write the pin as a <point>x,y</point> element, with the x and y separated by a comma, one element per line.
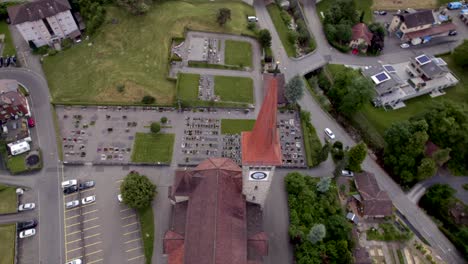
<point>276,68</point>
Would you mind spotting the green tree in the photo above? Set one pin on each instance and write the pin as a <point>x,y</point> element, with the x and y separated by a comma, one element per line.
<point>324,184</point>
<point>426,169</point>
<point>358,92</point>
<point>264,37</point>
<point>137,191</point>
<point>343,33</point>
<point>136,7</point>
<point>155,127</point>
<point>163,120</point>
<point>317,233</point>
<point>323,155</point>
<point>460,54</point>
<point>148,99</point>
<point>356,155</point>
<point>223,16</point>
<point>338,228</point>
<point>438,199</point>
<point>294,90</point>
<point>441,156</point>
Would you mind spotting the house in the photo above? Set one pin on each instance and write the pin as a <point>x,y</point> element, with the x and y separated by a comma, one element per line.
<point>373,201</point>
<point>212,222</point>
<point>422,74</point>
<point>419,26</point>
<point>361,37</point>
<point>12,101</point>
<point>44,22</point>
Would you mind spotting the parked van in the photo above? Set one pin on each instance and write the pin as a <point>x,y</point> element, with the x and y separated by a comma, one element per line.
<point>252,19</point>
<point>454,5</point>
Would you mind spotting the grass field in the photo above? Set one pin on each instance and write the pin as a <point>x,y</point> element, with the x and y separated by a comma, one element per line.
<point>17,164</point>
<point>8,200</point>
<point>153,148</point>
<point>236,126</point>
<point>146,218</point>
<point>238,53</point>
<point>134,51</point>
<point>282,29</point>
<point>361,5</point>
<point>234,89</point>
<point>188,86</point>
<point>9,48</point>
<point>7,245</point>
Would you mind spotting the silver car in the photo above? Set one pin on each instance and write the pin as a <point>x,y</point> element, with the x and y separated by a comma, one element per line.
<point>26,207</point>
<point>329,133</point>
<point>88,200</point>
<point>72,204</point>
<point>27,233</point>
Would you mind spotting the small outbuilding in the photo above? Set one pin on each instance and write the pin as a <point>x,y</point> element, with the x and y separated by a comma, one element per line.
<point>19,147</point>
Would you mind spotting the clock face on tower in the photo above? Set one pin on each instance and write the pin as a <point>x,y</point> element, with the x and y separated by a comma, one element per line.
<point>258,176</point>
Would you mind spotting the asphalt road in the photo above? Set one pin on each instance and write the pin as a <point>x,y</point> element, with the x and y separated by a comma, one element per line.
<point>46,181</point>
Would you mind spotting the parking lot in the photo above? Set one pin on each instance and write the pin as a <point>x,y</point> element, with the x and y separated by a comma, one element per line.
<point>28,248</point>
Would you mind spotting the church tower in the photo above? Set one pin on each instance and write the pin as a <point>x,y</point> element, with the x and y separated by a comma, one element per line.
<point>261,149</point>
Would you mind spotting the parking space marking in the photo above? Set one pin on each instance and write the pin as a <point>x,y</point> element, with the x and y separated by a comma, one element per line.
<point>128,233</point>
<point>99,242</point>
<point>87,205</point>
<point>74,258</point>
<point>73,224</point>
<point>72,217</point>
<point>72,233</point>
<point>130,224</point>
<point>133,240</point>
<point>118,181</point>
<point>137,257</point>
<point>76,240</point>
<point>126,209</point>
<point>132,249</point>
<point>91,189</point>
<point>123,218</point>
<point>72,209</point>
<point>88,228</point>
<point>92,253</point>
<point>94,261</point>
<point>92,211</point>
<point>92,236</point>
<point>91,219</point>
<point>75,249</point>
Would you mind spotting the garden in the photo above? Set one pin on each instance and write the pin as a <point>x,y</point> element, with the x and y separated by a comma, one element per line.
<point>238,53</point>
<point>236,126</point>
<point>25,162</point>
<point>313,146</point>
<point>130,51</point>
<point>8,200</point>
<point>7,247</point>
<point>153,148</point>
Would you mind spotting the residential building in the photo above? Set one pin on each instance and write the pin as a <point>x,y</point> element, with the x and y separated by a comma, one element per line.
<point>361,38</point>
<point>12,101</point>
<point>374,202</point>
<point>419,26</point>
<point>212,223</point>
<point>422,74</point>
<point>44,22</point>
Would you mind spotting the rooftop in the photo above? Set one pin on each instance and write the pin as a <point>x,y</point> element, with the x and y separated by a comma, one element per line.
<point>360,31</point>
<point>382,86</point>
<point>375,201</point>
<point>434,30</point>
<point>418,18</point>
<point>32,11</point>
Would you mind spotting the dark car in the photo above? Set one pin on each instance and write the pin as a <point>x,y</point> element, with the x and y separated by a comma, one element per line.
<point>27,225</point>
<point>70,189</point>
<point>86,185</point>
<point>452,33</point>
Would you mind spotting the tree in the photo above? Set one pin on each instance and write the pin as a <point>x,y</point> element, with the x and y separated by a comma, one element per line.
<point>155,127</point>
<point>441,156</point>
<point>338,228</point>
<point>344,33</point>
<point>148,99</point>
<point>264,37</point>
<point>93,13</point>
<point>324,184</point>
<point>163,120</point>
<point>224,15</point>
<point>317,233</point>
<point>323,154</point>
<point>294,90</point>
<point>136,7</point>
<point>460,54</point>
<point>356,155</point>
<point>426,169</point>
<point>358,92</point>
<point>137,191</point>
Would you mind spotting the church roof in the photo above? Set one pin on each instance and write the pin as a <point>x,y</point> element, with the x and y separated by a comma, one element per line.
<point>261,146</point>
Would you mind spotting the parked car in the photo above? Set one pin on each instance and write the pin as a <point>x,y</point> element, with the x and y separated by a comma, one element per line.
<point>69,183</point>
<point>75,261</point>
<point>86,185</point>
<point>72,204</point>
<point>381,12</point>
<point>26,225</point>
<point>27,233</point>
<point>453,33</point>
<point>70,189</point>
<point>404,45</point>
<point>26,207</point>
<point>31,122</point>
<point>119,197</point>
<point>347,173</point>
<point>329,133</point>
<point>88,200</point>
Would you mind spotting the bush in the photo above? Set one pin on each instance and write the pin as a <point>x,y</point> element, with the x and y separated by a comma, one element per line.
<point>163,120</point>
<point>137,191</point>
<point>148,99</point>
<point>41,50</point>
<point>292,36</point>
<point>285,17</point>
<point>66,43</point>
<point>155,127</point>
<point>52,52</point>
<point>251,26</point>
<point>120,88</point>
<point>338,145</point>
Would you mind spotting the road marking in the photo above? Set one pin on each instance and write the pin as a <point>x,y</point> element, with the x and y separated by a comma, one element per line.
<point>118,181</point>
<point>86,205</point>
<point>70,217</point>
<point>73,224</point>
<point>127,217</point>
<point>79,239</point>
<point>93,253</point>
<point>99,242</point>
<point>132,249</point>
<point>128,233</point>
<point>92,236</point>
<point>123,210</point>
<point>90,189</point>
<point>92,211</point>
<point>72,209</point>
<point>91,219</point>
<point>74,258</point>
<point>91,227</point>
<point>135,258</point>
<point>75,249</point>
<point>130,224</point>
<point>72,233</point>
<point>133,240</point>
<point>94,261</point>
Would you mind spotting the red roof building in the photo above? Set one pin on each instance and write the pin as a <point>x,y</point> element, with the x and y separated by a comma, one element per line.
<point>261,146</point>
<point>362,32</point>
<point>211,221</point>
<point>12,102</point>
<point>374,201</point>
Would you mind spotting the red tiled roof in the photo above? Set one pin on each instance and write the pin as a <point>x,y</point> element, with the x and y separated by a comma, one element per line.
<point>216,217</point>
<point>360,31</point>
<point>430,148</point>
<point>261,146</point>
<point>434,30</point>
<point>267,77</point>
<point>374,200</point>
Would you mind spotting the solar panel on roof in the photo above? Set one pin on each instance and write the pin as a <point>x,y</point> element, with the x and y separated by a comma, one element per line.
<point>389,68</point>
<point>423,59</point>
<point>381,77</point>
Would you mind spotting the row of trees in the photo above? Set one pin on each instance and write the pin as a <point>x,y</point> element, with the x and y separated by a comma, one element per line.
<point>338,22</point>
<point>93,13</point>
<point>318,227</point>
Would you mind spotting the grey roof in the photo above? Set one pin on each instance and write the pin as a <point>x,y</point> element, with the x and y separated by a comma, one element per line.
<point>418,18</point>
<point>383,87</point>
<point>36,10</point>
<point>431,68</point>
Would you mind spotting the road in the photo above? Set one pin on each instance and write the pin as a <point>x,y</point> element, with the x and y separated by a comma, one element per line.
<point>46,181</point>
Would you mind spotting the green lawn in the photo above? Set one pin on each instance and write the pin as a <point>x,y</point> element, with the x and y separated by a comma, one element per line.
<point>188,86</point>
<point>236,126</point>
<point>9,48</point>
<point>8,200</point>
<point>7,245</point>
<point>361,5</point>
<point>146,218</point>
<point>282,29</point>
<point>17,164</point>
<point>238,53</point>
<point>234,89</point>
<point>153,148</point>
<point>134,51</point>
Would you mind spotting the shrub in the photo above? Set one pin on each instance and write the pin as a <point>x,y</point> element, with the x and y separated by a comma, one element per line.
<point>251,26</point>
<point>292,36</point>
<point>137,191</point>
<point>155,127</point>
<point>148,99</point>
<point>66,43</point>
<point>285,17</point>
<point>120,88</point>
<point>52,52</point>
<point>164,120</point>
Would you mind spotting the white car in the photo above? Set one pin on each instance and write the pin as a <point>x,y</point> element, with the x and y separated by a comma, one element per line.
<point>88,200</point>
<point>404,45</point>
<point>72,204</point>
<point>119,197</point>
<point>347,173</point>
<point>26,207</point>
<point>27,233</point>
<point>329,133</point>
<point>75,261</point>
<point>69,183</point>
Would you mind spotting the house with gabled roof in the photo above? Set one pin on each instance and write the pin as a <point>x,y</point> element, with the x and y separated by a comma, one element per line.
<point>374,202</point>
